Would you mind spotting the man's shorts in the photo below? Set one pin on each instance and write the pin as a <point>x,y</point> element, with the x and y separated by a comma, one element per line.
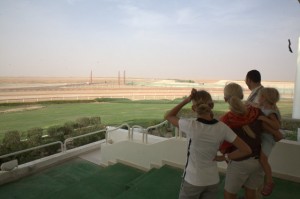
<point>246,173</point>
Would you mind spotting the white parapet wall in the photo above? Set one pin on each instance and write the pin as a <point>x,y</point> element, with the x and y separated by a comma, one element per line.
<point>284,159</point>
<point>144,155</point>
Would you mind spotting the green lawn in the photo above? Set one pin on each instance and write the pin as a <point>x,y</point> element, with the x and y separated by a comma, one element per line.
<point>56,114</point>
<point>110,113</point>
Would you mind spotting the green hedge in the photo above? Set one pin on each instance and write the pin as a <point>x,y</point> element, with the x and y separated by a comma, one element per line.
<point>12,141</point>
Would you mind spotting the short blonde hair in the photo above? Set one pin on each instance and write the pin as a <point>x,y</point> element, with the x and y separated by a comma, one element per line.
<point>271,95</point>
<point>202,102</point>
<point>233,94</point>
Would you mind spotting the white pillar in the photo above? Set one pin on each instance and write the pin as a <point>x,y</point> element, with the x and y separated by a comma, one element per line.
<point>296,104</point>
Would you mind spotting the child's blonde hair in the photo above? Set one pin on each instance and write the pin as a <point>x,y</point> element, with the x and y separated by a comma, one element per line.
<point>233,94</point>
<point>271,95</point>
<point>202,102</point>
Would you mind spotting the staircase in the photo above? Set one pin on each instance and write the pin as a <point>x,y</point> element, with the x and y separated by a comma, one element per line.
<point>80,179</point>
<point>157,183</point>
<point>119,181</point>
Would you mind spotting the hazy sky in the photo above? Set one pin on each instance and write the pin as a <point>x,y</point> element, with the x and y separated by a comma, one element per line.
<point>191,39</point>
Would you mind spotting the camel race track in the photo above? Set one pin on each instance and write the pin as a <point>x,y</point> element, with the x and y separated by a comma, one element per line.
<point>33,89</point>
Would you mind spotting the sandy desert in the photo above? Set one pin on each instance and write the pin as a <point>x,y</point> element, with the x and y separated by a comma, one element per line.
<point>30,89</point>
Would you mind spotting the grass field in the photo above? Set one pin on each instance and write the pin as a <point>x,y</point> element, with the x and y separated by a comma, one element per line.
<point>110,113</point>
<point>58,114</point>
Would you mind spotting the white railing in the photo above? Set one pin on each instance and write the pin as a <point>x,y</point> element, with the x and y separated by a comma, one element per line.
<point>145,133</point>
<point>108,130</point>
<point>34,148</point>
<point>80,136</point>
<point>136,127</point>
<point>178,133</point>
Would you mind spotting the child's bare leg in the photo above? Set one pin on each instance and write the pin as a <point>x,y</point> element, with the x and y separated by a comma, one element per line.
<point>266,167</point>
<point>269,185</point>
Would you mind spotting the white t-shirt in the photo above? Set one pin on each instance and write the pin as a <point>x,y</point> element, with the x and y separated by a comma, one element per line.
<point>204,139</point>
<point>253,97</point>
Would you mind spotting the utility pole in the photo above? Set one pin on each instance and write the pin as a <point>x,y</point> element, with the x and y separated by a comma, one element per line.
<point>124,78</point>
<point>119,79</point>
<point>91,77</point>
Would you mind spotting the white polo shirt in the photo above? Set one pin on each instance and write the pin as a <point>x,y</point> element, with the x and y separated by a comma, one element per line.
<point>253,97</point>
<point>204,138</point>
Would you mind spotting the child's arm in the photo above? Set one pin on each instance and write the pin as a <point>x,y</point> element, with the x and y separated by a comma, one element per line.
<point>276,133</point>
<point>271,120</point>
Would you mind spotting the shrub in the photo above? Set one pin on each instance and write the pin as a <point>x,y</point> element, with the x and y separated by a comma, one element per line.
<point>291,125</point>
<point>68,129</point>
<point>12,141</point>
<point>83,122</point>
<point>88,139</point>
<point>71,125</point>
<point>56,132</point>
<point>34,136</point>
<point>95,120</point>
